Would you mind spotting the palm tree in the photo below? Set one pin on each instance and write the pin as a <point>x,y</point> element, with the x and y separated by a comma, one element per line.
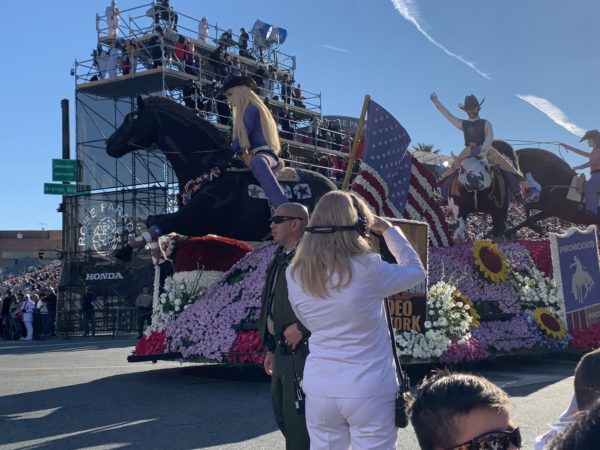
<point>426,148</point>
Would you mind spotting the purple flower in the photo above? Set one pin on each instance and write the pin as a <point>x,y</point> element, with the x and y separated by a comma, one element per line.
<point>205,329</point>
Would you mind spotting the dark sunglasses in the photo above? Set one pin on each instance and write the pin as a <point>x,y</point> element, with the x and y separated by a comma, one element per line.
<point>496,440</point>
<point>281,219</point>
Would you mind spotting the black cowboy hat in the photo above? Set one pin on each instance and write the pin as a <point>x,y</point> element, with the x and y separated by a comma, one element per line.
<point>591,134</point>
<point>471,103</point>
<point>239,81</point>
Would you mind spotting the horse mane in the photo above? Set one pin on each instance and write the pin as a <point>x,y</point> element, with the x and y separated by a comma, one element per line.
<point>191,116</point>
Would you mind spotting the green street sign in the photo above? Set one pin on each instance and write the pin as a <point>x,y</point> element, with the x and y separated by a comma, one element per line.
<point>60,189</point>
<point>65,170</point>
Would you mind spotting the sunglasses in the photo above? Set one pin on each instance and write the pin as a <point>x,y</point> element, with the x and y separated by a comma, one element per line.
<point>495,440</point>
<point>281,219</point>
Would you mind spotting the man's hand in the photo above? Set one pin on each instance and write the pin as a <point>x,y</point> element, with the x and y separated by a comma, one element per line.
<point>268,363</point>
<point>292,335</point>
<point>434,97</point>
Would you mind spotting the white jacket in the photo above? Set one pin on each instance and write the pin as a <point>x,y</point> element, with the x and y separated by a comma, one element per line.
<point>350,347</point>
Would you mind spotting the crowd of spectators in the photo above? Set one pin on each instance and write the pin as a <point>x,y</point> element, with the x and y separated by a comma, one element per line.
<point>28,304</point>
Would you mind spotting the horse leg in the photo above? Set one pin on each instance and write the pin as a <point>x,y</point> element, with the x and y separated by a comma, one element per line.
<point>196,218</point>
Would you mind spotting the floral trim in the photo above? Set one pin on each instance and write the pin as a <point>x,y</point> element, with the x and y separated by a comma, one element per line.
<point>152,344</point>
<point>448,320</point>
<point>179,292</point>
<point>468,350</point>
<point>492,263</point>
<point>205,329</point>
<point>247,348</point>
<point>587,340</point>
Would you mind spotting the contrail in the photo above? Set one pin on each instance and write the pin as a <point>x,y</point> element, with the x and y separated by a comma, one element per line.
<point>408,11</point>
<point>555,114</point>
<point>333,47</point>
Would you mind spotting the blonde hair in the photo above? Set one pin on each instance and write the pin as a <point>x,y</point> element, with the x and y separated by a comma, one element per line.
<point>322,258</point>
<point>242,96</point>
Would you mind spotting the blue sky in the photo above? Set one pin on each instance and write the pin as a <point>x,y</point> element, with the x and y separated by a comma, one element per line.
<point>536,62</point>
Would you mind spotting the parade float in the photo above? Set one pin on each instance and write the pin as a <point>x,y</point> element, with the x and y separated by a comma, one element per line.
<point>482,298</point>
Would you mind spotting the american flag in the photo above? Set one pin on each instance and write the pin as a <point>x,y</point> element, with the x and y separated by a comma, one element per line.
<point>384,174</point>
<point>392,182</point>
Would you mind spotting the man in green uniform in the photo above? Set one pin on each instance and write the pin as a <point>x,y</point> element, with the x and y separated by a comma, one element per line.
<point>285,338</point>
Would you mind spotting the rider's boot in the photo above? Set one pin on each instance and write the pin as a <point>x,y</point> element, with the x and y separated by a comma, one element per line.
<point>124,253</point>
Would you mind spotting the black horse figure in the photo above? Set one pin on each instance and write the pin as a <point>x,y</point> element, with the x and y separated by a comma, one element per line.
<point>492,200</point>
<point>225,197</point>
<point>555,177</point>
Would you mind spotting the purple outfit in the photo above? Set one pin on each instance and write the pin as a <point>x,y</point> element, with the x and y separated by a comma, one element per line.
<point>261,169</point>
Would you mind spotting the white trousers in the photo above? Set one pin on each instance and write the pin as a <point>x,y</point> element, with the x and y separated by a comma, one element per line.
<point>363,423</point>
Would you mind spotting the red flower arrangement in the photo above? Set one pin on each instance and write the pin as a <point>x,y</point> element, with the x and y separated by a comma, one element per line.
<point>247,347</point>
<point>540,253</point>
<point>587,340</point>
<point>209,252</point>
<point>151,345</point>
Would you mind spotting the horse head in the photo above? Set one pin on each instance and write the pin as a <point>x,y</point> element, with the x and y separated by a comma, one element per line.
<point>191,144</point>
<point>137,131</point>
<point>475,174</point>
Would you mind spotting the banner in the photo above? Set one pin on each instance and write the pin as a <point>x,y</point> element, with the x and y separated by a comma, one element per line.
<point>577,275</point>
<point>408,310</point>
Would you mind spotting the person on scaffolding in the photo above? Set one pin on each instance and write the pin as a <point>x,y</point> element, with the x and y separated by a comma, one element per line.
<point>478,135</point>
<point>113,18</point>
<point>255,135</point>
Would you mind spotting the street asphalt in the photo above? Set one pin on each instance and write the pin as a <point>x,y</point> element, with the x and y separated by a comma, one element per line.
<point>83,394</point>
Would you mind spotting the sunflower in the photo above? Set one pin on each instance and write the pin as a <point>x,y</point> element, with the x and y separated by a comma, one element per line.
<point>549,323</point>
<point>491,261</point>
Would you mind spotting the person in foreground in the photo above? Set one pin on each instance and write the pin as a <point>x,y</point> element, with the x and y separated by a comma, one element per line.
<point>587,390</point>
<point>284,337</point>
<point>337,286</point>
<point>584,434</point>
<point>454,411</point>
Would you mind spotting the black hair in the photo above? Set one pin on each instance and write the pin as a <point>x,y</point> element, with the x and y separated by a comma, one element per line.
<point>583,434</point>
<point>587,379</point>
<point>444,396</point>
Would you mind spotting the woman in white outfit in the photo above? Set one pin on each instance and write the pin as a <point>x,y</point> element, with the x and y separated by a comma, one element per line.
<point>28,308</point>
<point>337,286</point>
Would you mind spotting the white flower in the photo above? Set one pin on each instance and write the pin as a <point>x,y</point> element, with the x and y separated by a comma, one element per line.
<point>163,300</point>
<point>177,308</point>
<point>427,324</point>
<point>177,302</point>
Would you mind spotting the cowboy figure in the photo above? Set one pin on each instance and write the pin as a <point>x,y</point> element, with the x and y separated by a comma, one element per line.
<point>255,135</point>
<point>593,183</point>
<point>478,142</point>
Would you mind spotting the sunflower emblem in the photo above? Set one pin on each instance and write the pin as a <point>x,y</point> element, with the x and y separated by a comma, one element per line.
<point>490,260</point>
<point>549,323</point>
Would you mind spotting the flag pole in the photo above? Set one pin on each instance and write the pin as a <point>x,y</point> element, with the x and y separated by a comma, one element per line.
<point>357,136</point>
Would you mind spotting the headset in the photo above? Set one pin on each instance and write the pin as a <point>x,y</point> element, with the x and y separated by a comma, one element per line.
<point>361,226</point>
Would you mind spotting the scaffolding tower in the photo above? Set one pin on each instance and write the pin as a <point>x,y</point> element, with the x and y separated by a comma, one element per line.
<point>157,51</point>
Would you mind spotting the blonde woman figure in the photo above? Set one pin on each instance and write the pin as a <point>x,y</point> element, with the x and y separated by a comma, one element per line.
<point>255,135</point>
<point>337,286</point>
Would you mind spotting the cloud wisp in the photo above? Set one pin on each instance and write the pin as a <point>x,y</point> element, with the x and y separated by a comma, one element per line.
<point>407,10</point>
<point>333,47</point>
<point>554,113</point>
